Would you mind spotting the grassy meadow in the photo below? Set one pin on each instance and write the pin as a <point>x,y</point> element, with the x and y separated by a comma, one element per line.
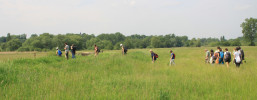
<point>112,76</point>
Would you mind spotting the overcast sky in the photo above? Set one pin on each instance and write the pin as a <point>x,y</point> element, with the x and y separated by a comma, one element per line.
<point>194,18</point>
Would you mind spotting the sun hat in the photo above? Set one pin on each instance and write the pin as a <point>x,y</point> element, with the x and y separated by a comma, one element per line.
<point>121,45</point>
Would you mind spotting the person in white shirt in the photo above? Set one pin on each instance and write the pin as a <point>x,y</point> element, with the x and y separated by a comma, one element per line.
<point>66,48</point>
<point>237,57</point>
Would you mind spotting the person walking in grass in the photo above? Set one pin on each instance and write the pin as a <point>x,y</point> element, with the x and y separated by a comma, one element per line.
<point>66,48</point>
<point>211,56</point>
<point>207,56</point>
<point>221,56</point>
<point>216,56</point>
<point>242,55</point>
<point>227,57</point>
<point>172,58</point>
<point>97,50</point>
<point>124,49</point>
<point>58,52</point>
<point>237,57</point>
<point>153,56</point>
<point>73,50</point>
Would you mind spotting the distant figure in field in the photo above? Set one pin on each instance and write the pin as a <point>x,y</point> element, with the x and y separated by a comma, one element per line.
<point>227,57</point>
<point>216,56</point>
<point>221,56</point>
<point>211,57</point>
<point>153,56</point>
<point>237,57</point>
<point>124,49</point>
<point>73,50</point>
<point>207,56</point>
<point>242,54</point>
<point>97,50</point>
<point>58,52</point>
<point>172,58</point>
<point>66,48</point>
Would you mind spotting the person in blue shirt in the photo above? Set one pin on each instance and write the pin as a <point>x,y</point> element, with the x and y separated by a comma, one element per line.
<point>172,58</point>
<point>221,56</point>
<point>58,52</point>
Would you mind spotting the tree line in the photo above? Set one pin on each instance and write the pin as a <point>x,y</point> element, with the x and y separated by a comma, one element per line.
<point>46,41</point>
<point>112,41</point>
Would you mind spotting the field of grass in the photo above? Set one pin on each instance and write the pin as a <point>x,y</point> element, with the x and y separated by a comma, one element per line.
<point>7,56</point>
<point>112,76</point>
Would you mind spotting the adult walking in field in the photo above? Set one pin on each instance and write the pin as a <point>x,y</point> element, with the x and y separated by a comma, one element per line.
<point>97,50</point>
<point>66,48</point>
<point>211,57</point>
<point>237,58</point>
<point>153,56</point>
<point>124,49</point>
<point>172,58</point>
<point>221,56</point>
<point>227,57</point>
<point>58,52</point>
<point>242,54</point>
<point>73,50</point>
<point>216,56</point>
<point>207,56</point>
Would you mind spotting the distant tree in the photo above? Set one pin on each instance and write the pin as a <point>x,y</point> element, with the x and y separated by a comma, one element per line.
<point>128,43</point>
<point>235,42</point>
<point>249,30</point>
<point>198,43</point>
<point>222,39</point>
<point>8,38</point>
<point>33,35</point>
<point>14,44</point>
<point>2,39</point>
<point>155,42</point>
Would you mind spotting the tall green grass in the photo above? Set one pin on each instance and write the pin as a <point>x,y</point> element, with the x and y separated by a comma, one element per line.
<point>113,76</point>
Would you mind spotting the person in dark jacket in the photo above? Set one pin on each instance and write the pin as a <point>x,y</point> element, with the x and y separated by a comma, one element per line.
<point>73,50</point>
<point>153,56</point>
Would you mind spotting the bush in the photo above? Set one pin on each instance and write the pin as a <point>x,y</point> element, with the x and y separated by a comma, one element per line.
<point>23,49</point>
<point>37,49</point>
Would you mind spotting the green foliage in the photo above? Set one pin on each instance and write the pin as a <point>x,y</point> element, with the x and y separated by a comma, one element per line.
<point>46,41</point>
<point>235,42</point>
<point>24,49</point>
<point>155,42</point>
<point>250,30</point>
<point>14,44</point>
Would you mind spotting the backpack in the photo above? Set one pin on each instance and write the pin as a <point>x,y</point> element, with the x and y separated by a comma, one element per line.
<point>228,56</point>
<point>215,56</point>
<point>125,50</point>
<point>174,55</point>
<point>221,54</point>
<point>59,52</point>
<point>156,55</point>
<point>98,50</point>
<point>242,54</point>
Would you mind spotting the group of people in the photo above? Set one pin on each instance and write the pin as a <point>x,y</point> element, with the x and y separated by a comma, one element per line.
<point>221,57</point>
<point>154,57</point>
<point>67,48</point>
<point>73,50</point>
<point>217,57</point>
